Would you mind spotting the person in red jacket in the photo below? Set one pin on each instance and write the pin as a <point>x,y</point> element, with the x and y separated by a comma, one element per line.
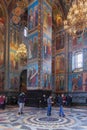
<point>2,101</point>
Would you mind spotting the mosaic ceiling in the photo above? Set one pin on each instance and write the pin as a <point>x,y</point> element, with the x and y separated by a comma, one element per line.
<point>59,9</point>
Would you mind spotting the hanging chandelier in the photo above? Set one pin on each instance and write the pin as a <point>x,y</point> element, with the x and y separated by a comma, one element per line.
<point>77,18</point>
<point>22,51</point>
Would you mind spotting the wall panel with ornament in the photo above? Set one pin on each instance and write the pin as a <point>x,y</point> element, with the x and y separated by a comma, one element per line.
<point>33,42</point>
<point>32,76</point>
<point>33,15</point>
<point>61,62</point>
<point>47,47</point>
<point>40,43</point>
<point>78,63</point>
<point>33,45</point>
<point>13,60</point>
<point>2,44</point>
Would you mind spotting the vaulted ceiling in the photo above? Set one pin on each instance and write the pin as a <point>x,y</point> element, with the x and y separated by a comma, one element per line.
<point>59,9</point>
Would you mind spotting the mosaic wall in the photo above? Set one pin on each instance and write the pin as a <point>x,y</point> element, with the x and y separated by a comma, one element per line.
<point>60,82</point>
<point>33,15</point>
<point>60,63</point>
<point>14,81</point>
<point>43,36</point>
<point>14,78</point>
<point>2,42</point>
<point>77,79</point>
<point>47,47</point>
<point>33,35</point>
<point>70,62</point>
<point>60,41</point>
<point>33,45</point>
<point>2,49</point>
<point>77,82</point>
<point>32,76</point>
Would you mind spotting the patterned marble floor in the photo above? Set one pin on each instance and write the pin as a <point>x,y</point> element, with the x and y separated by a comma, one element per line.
<point>37,119</point>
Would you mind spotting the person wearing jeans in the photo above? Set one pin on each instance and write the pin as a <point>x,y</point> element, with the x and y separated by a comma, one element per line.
<point>49,105</point>
<point>61,111</point>
<point>21,102</point>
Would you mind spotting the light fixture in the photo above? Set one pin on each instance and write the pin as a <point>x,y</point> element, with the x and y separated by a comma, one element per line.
<point>21,52</point>
<point>77,18</point>
<point>58,19</point>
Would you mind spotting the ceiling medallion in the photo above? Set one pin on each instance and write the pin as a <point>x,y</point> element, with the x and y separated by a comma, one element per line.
<point>22,3</point>
<point>15,19</point>
<point>18,11</point>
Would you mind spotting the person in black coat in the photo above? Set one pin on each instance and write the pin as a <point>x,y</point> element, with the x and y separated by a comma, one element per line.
<point>21,102</point>
<point>69,100</point>
<point>61,111</point>
<point>49,105</point>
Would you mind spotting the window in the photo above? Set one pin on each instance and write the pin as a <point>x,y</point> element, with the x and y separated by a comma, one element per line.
<point>77,61</point>
<point>25,31</point>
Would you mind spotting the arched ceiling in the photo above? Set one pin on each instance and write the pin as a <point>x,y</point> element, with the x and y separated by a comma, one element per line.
<point>59,10</point>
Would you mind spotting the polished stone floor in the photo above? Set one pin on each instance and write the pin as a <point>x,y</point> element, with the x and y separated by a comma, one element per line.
<point>37,119</point>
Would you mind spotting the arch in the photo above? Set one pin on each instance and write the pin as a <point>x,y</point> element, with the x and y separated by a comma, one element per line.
<point>3,10</point>
<point>3,37</point>
<point>23,80</point>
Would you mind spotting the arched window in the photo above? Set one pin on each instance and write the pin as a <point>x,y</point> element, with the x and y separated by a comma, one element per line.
<point>77,61</point>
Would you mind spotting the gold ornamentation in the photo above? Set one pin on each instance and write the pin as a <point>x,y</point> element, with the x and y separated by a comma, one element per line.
<point>22,51</point>
<point>77,18</point>
<point>15,19</point>
<point>18,11</point>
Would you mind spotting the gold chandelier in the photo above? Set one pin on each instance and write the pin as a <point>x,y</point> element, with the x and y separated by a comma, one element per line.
<point>77,18</point>
<point>21,52</point>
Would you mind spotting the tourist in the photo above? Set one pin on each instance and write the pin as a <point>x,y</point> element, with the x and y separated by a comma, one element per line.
<point>2,101</point>
<point>49,105</point>
<point>61,111</point>
<point>21,102</point>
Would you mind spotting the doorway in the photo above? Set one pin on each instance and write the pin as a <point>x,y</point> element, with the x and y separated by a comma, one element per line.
<point>23,81</point>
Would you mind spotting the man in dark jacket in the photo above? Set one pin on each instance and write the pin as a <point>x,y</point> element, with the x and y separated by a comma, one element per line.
<point>21,102</point>
<point>61,111</point>
<point>49,105</point>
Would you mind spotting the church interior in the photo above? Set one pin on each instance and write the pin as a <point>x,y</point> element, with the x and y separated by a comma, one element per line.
<point>43,52</point>
<point>43,49</point>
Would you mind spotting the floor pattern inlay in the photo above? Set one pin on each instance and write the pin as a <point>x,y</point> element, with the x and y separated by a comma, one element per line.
<point>37,119</point>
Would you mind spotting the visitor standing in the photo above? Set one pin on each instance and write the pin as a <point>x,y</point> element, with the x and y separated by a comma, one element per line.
<point>21,102</point>
<point>49,105</point>
<point>61,111</point>
<point>2,101</point>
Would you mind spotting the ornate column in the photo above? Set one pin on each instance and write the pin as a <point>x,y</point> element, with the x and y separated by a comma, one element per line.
<point>40,45</point>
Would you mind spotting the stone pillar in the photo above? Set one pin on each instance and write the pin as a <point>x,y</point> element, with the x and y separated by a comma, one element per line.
<point>7,56</point>
<point>66,61</point>
<point>40,45</point>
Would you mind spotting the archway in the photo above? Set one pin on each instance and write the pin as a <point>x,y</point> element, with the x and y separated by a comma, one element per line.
<point>23,81</point>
